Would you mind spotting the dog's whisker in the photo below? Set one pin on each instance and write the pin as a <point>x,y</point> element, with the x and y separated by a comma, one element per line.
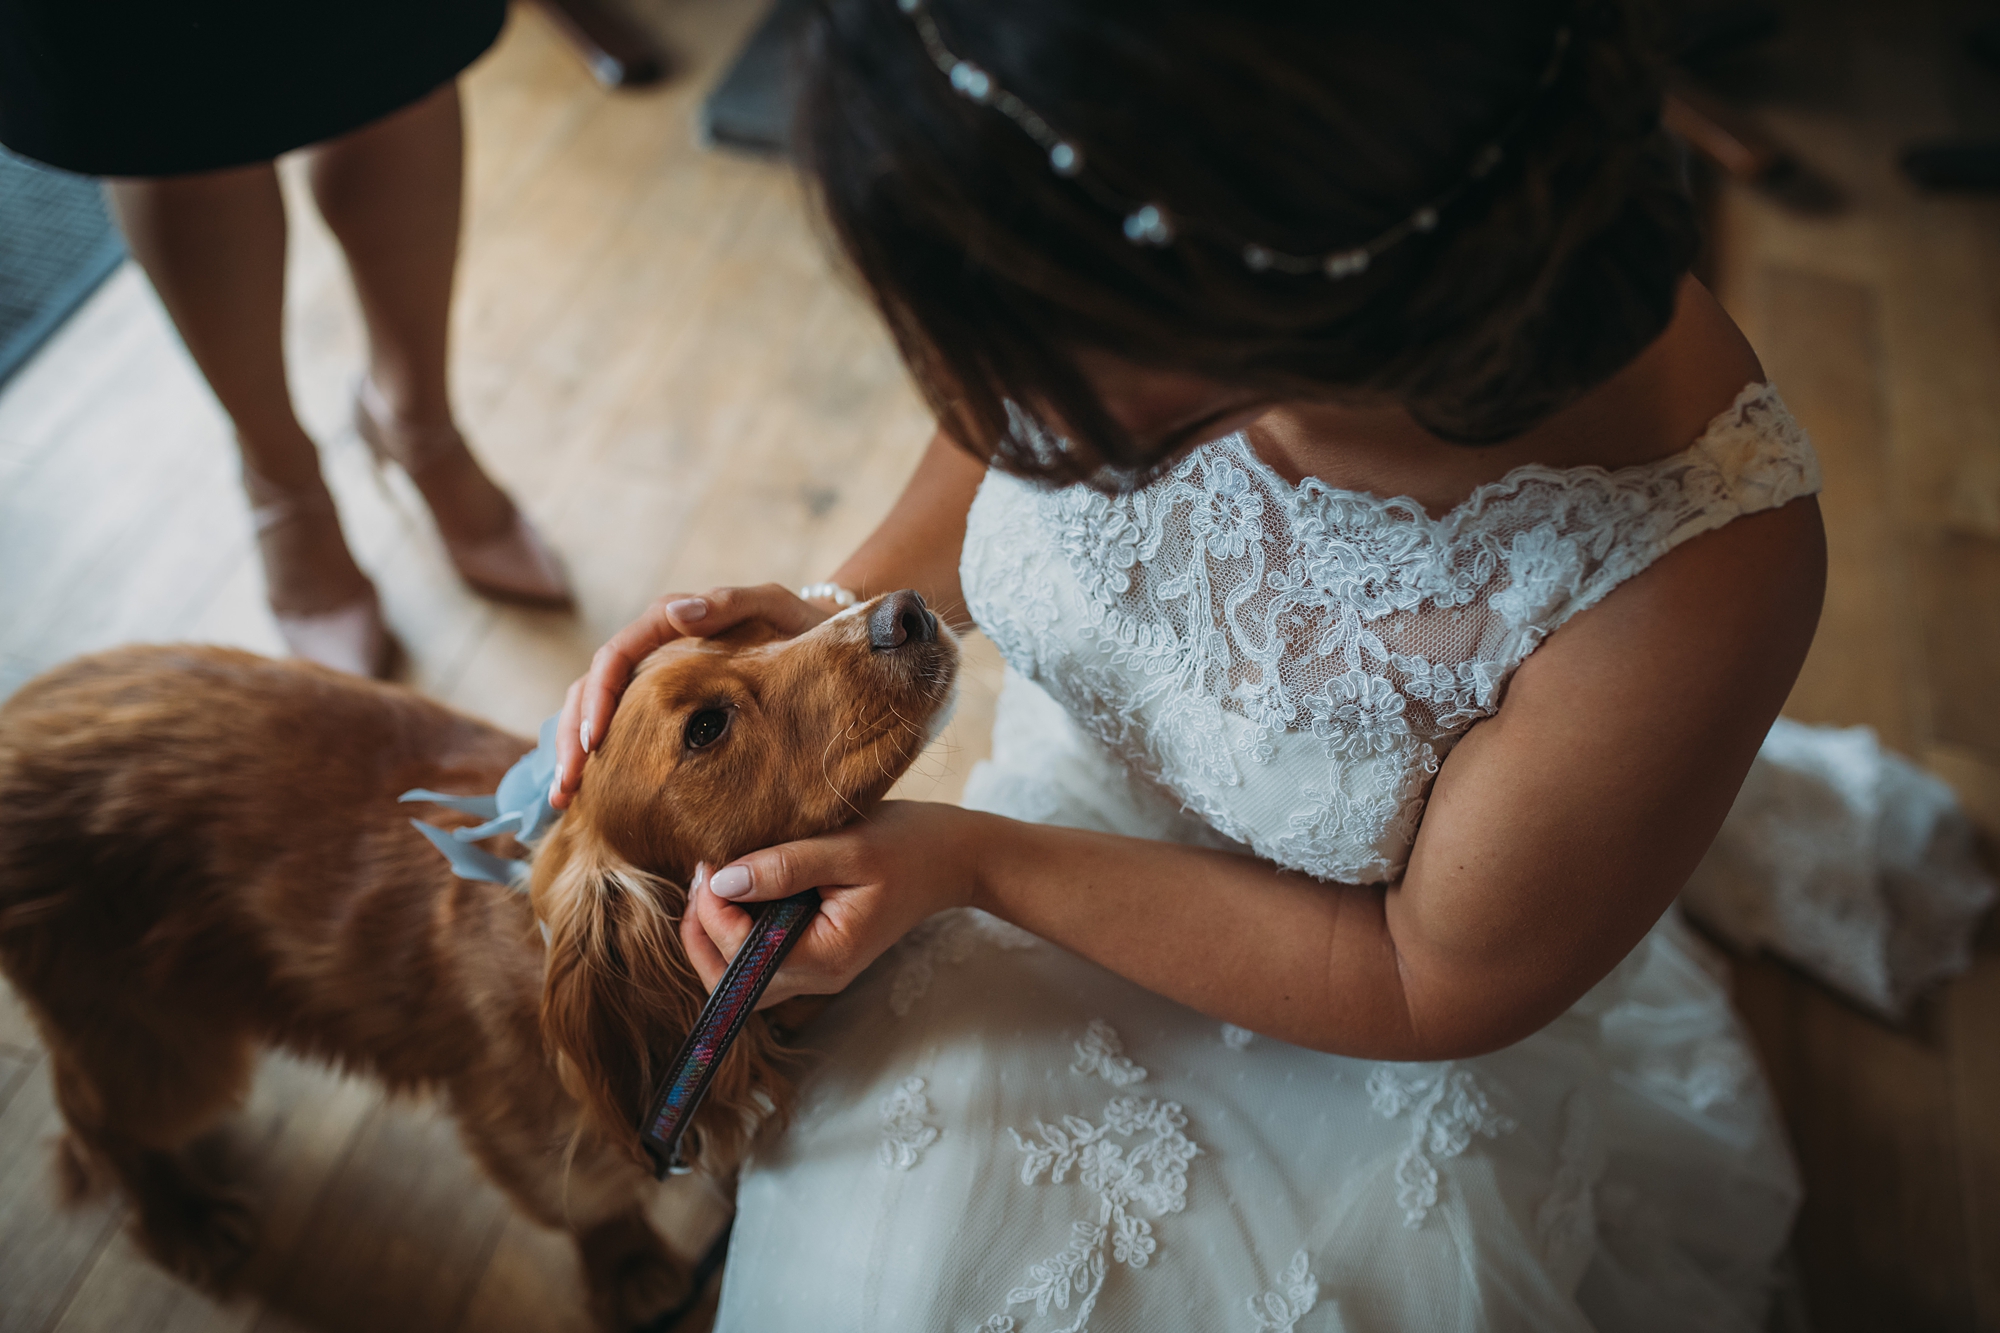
<point>827,775</point>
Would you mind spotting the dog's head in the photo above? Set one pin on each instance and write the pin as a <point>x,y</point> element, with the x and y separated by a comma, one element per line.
<point>719,747</point>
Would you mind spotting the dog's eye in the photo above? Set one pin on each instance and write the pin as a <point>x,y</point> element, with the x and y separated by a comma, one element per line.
<point>706,727</point>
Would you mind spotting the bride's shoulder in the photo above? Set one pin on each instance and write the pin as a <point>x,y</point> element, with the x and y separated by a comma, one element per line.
<point>1757,576</point>
<point>1727,614</point>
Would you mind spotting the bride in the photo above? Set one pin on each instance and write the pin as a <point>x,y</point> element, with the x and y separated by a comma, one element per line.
<point>1400,561</point>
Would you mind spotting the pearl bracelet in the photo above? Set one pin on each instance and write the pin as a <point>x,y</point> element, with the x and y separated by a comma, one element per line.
<point>828,592</point>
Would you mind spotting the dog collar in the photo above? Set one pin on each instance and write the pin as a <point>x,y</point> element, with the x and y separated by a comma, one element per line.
<point>679,1092</point>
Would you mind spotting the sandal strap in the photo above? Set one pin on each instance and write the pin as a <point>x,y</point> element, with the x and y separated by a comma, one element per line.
<point>413,452</point>
<point>272,507</point>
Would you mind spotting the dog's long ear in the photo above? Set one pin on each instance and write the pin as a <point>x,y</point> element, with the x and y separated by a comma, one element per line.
<point>617,982</point>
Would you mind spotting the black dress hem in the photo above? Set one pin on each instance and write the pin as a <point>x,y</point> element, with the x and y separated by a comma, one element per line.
<point>140,90</point>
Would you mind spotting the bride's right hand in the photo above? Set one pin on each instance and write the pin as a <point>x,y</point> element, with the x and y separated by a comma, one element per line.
<point>588,706</point>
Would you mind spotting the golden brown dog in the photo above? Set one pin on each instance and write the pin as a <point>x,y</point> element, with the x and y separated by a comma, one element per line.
<point>201,854</point>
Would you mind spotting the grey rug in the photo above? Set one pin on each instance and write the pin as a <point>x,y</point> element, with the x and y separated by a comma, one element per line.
<point>56,245</point>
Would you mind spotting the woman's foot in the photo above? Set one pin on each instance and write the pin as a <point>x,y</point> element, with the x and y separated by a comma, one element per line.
<point>326,608</point>
<point>489,539</point>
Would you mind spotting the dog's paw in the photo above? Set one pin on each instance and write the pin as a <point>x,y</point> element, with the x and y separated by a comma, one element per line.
<point>643,1288</point>
<point>633,1279</point>
<point>202,1236</point>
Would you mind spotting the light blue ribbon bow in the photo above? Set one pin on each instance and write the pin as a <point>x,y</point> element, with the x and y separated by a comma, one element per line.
<point>521,807</point>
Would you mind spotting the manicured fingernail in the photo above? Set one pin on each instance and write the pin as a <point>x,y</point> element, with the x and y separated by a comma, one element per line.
<point>555,790</point>
<point>688,608</point>
<point>730,882</point>
<point>700,876</point>
<point>583,731</point>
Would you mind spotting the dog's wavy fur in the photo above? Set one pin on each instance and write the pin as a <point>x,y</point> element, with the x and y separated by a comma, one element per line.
<point>201,854</point>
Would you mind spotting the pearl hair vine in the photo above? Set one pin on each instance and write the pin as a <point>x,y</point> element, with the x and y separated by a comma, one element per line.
<point>1151,223</point>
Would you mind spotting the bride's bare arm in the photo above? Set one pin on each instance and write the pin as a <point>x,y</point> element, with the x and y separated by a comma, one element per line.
<point>1557,833</point>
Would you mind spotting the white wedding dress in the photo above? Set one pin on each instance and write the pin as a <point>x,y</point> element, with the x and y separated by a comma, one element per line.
<point>997,1135</point>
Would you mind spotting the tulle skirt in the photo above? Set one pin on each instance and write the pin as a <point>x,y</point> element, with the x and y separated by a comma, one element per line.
<point>999,1136</point>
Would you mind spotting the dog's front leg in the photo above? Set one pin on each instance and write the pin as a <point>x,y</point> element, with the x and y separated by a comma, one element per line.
<point>632,1277</point>
<point>599,1197</point>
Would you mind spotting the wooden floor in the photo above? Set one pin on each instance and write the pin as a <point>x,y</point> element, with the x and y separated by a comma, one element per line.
<point>1881,325</point>
<point>653,355</point>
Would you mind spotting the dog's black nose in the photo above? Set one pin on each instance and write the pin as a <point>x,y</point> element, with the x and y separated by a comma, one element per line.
<point>900,618</point>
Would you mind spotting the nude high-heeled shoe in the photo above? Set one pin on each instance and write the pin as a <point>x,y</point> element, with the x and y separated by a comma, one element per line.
<point>511,563</point>
<point>350,636</point>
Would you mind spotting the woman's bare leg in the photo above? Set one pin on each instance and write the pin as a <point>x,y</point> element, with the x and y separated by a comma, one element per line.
<point>213,245</point>
<point>391,191</point>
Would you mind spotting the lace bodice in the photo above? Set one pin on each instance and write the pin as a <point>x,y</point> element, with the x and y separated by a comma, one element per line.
<point>1291,663</point>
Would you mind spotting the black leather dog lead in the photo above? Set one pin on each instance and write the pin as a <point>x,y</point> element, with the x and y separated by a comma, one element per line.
<point>681,1088</point>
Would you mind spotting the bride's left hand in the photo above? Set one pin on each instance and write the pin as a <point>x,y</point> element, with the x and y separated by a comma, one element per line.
<point>876,878</point>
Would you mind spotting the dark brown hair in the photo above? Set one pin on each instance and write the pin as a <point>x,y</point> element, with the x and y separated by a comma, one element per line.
<point>1307,126</point>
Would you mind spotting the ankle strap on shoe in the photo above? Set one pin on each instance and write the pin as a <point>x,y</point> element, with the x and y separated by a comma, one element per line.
<point>272,507</point>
